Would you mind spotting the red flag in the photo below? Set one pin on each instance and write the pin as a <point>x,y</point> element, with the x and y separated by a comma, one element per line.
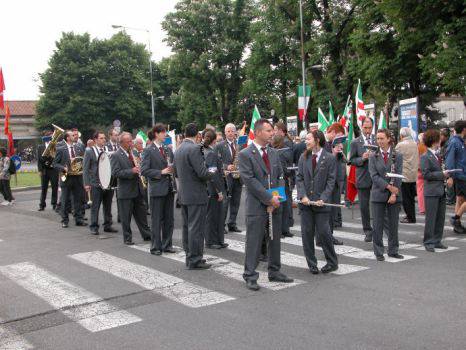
<point>351,189</point>
<point>11,145</point>
<point>7,120</point>
<point>2,88</point>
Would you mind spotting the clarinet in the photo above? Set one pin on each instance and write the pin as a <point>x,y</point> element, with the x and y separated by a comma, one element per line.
<point>270,215</point>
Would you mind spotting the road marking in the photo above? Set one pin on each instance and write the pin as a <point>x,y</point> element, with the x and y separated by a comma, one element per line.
<point>10,340</point>
<point>223,267</point>
<point>298,260</point>
<point>171,287</point>
<point>80,305</point>
<point>439,250</point>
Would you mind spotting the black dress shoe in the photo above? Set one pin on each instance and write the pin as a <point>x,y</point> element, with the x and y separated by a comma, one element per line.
<point>337,242</point>
<point>85,219</point>
<point>54,206</point>
<point>263,258</point>
<point>441,246</point>
<point>457,227</point>
<point>213,246</point>
<point>337,225</point>
<point>252,285</point>
<point>318,244</point>
<point>156,252</point>
<point>368,238</point>
<point>170,250</point>
<point>223,245</point>
<point>396,256</point>
<point>430,249</point>
<point>81,223</point>
<point>314,270</point>
<point>380,258</point>
<point>41,209</point>
<point>329,268</point>
<point>146,239</point>
<point>200,266</point>
<point>64,225</point>
<point>110,229</point>
<point>94,232</point>
<point>405,220</point>
<point>234,229</point>
<point>129,243</point>
<point>280,277</point>
<point>287,234</point>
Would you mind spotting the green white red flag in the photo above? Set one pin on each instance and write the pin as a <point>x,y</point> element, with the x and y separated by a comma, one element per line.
<point>303,101</point>
<point>360,111</point>
<point>331,116</point>
<point>255,117</point>
<point>322,120</point>
<point>382,121</point>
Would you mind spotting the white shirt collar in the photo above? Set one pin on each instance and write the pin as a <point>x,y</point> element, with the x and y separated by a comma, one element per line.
<point>258,147</point>
<point>433,152</point>
<point>318,154</point>
<point>158,145</point>
<point>127,154</point>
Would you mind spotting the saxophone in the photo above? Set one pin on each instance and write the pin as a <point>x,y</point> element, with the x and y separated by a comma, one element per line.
<point>235,172</point>
<point>137,162</point>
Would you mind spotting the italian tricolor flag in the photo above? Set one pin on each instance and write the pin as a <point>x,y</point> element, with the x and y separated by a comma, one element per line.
<point>141,135</point>
<point>303,101</point>
<point>255,117</point>
<point>323,122</point>
<point>360,112</point>
<point>382,122</point>
<point>331,116</point>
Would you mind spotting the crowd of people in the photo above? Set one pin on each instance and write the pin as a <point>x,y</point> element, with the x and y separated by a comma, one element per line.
<point>207,171</point>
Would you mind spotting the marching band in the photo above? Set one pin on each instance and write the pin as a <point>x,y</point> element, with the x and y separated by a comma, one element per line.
<point>208,175</point>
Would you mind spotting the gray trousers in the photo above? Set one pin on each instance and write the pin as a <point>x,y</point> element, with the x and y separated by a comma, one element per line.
<point>72,188</point>
<point>194,218</point>
<point>215,226</point>
<point>98,197</point>
<point>435,213</point>
<point>256,230</point>
<point>133,207</point>
<point>336,198</point>
<point>364,195</point>
<point>316,223</point>
<point>287,212</point>
<point>382,212</point>
<point>161,211</point>
<point>234,188</point>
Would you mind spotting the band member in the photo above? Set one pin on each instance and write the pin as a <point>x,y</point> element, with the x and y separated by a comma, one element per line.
<point>228,151</point>
<point>157,167</point>
<point>359,157</point>
<point>434,191</point>
<point>385,195</point>
<point>217,193</point>
<point>260,170</point>
<point>112,144</point>
<point>138,148</point>
<point>73,185</point>
<point>97,195</point>
<point>130,191</point>
<point>315,182</point>
<point>192,176</point>
<point>48,174</point>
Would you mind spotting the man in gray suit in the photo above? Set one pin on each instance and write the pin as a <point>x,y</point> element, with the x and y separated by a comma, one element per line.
<point>260,169</point>
<point>434,191</point>
<point>130,190</point>
<point>385,195</point>
<point>157,167</point>
<point>98,195</point>
<point>359,157</point>
<point>192,176</point>
<point>228,150</point>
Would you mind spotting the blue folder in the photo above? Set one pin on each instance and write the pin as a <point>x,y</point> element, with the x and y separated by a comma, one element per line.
<point>280,191</point>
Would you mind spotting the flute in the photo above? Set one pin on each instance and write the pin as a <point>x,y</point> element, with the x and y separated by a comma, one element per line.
<point>314,203</point>
<point>270,211</point>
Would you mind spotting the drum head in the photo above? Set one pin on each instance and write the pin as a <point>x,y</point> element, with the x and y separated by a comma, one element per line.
<point>104,171</point>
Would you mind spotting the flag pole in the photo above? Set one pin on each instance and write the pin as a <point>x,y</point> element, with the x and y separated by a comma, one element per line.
<point>303,65</point>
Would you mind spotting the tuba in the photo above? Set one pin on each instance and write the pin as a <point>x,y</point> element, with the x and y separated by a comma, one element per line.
<point>51,149</point>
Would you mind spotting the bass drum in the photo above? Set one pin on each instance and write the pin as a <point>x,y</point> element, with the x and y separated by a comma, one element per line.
<point>104,171</point>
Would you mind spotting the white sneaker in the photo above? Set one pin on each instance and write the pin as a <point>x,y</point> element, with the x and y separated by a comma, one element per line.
<point>5,203</point>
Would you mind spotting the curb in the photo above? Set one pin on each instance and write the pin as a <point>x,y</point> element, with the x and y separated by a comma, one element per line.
<point>24,189</point>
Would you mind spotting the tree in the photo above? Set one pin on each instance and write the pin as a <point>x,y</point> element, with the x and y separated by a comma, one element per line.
<point>91,82</point>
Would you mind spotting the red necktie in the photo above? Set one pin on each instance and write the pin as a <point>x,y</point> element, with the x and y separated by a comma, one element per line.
<point>265,157</point>
<point>73,154</point>
<point>439,161</point>
<point>233,151</point>
<point>314,162</point>
<point>162,152</point>
<point>131,158</point>
<point>385,157</point>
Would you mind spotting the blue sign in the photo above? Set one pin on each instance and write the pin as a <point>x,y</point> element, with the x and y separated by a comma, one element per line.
<point>408,115</point>
<point>168,141</point>
<point>17,160</point>
<point>242,140</point>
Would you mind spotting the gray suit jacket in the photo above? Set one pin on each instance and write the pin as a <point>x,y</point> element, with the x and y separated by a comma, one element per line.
<point>129,184</point>
<point>62,158</point>
<point>91,166</point>
<point>151,167</point>
<point>363,178</point>
<point>192,174</point>
<point>319,183</point>
<point>217,183</point>
<point>378,170</point>
<point>255,177</point>
<point>433,175</point>
<point>223,150</point>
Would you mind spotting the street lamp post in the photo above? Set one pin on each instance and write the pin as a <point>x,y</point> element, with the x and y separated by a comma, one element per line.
<point>150,66</point>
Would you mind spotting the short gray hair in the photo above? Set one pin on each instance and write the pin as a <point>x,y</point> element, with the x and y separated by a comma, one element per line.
<point>405,132</point>
<point>230,126</point>
<point>123,134</point>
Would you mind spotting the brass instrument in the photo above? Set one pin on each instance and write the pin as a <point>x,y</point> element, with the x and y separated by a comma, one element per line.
<point>76,168</point>
<point>51,150</point>
<point>235,172</point>
<point>137,162</point>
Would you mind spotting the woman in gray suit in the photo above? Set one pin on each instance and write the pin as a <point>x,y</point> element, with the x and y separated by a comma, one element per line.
<point>434,191</point>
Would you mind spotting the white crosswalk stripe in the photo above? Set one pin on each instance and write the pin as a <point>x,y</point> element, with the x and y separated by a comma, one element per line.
<point>298,260</point>
<point>225,268</point>
<point>80,305</point>
<point>169,286</point>
<point>345,250</point>
<point>450,248</point>
<point>10,340</point>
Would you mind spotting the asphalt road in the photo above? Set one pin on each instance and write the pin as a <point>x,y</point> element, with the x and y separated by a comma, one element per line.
<point>65,289</point>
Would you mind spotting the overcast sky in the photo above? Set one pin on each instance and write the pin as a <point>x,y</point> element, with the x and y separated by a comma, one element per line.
<point>30,29</point>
